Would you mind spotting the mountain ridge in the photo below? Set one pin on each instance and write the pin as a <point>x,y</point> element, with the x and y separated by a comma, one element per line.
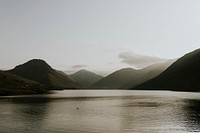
<point>127,78</point>
<point>85,78</point>
<point>38,70</point>
<point>116,79</point>
<point>182,75</point>
<point>11,84</point>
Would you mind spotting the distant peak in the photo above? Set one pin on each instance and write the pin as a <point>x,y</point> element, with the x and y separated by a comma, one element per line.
<point>127,69</point>
<point>35,62</point>
<point>83,70</point>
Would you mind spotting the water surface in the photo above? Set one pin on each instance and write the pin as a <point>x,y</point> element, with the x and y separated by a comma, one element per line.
<point>101,111</point>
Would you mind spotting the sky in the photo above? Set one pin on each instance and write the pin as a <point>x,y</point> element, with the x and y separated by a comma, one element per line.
<point>97,35</point>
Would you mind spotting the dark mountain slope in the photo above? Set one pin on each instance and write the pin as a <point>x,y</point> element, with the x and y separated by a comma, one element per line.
<point>14,85</point>
<point>182,75</point>
<point>127,78</point>
<point>40,71</point>
<point>118,79</point>
<point>149,73</point>
<point>85,78</point>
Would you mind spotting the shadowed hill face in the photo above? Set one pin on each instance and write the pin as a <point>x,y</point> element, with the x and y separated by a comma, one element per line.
<point>40,71</point>
<point>149,72</point>
<point>36,70</point>
<point>182,75</point>
<point>117,79</point>
<point>127,78</point>
<point>14,85</point>
<point>85,78</point>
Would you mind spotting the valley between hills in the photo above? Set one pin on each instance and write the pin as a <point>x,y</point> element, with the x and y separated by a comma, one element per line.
<point>37,76</point>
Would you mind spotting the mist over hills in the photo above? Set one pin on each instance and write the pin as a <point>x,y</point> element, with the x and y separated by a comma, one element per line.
<point>149,73</point>
<point>14,85</point>
<point>85,78</point>
<point>182,75</point>
<point>129,77</point>
<point>40,71</point>
<point>35,76</point>
<point>116,79</point>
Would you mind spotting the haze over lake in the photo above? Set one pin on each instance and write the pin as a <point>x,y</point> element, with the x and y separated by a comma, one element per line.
<point>101,111</point>
<point>88,49</point>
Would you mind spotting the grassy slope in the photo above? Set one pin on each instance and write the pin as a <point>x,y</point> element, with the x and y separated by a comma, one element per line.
<point>13,85</point>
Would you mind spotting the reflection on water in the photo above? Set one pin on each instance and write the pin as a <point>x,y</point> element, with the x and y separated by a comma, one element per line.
<point>192,111</point>
<point>23,114</point>
<point>101,111</point>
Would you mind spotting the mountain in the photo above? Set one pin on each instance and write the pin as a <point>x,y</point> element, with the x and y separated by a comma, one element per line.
<point>127,78</point>
<point>117,79</point>
<point>182,75</point>
<point>40,71</point>
<point>14,85</point>
<point>85,78</point>
<point>62,73</point>
<point>149,72</point>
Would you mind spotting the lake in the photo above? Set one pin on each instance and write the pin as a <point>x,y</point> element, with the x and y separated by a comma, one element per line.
<point>101,111</point>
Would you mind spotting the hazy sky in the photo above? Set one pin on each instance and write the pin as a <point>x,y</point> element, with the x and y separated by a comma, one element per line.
<point>97,34</point>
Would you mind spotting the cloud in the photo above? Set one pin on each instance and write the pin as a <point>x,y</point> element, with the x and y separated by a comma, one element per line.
<point>79,66</point>
<point>139,60</point>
